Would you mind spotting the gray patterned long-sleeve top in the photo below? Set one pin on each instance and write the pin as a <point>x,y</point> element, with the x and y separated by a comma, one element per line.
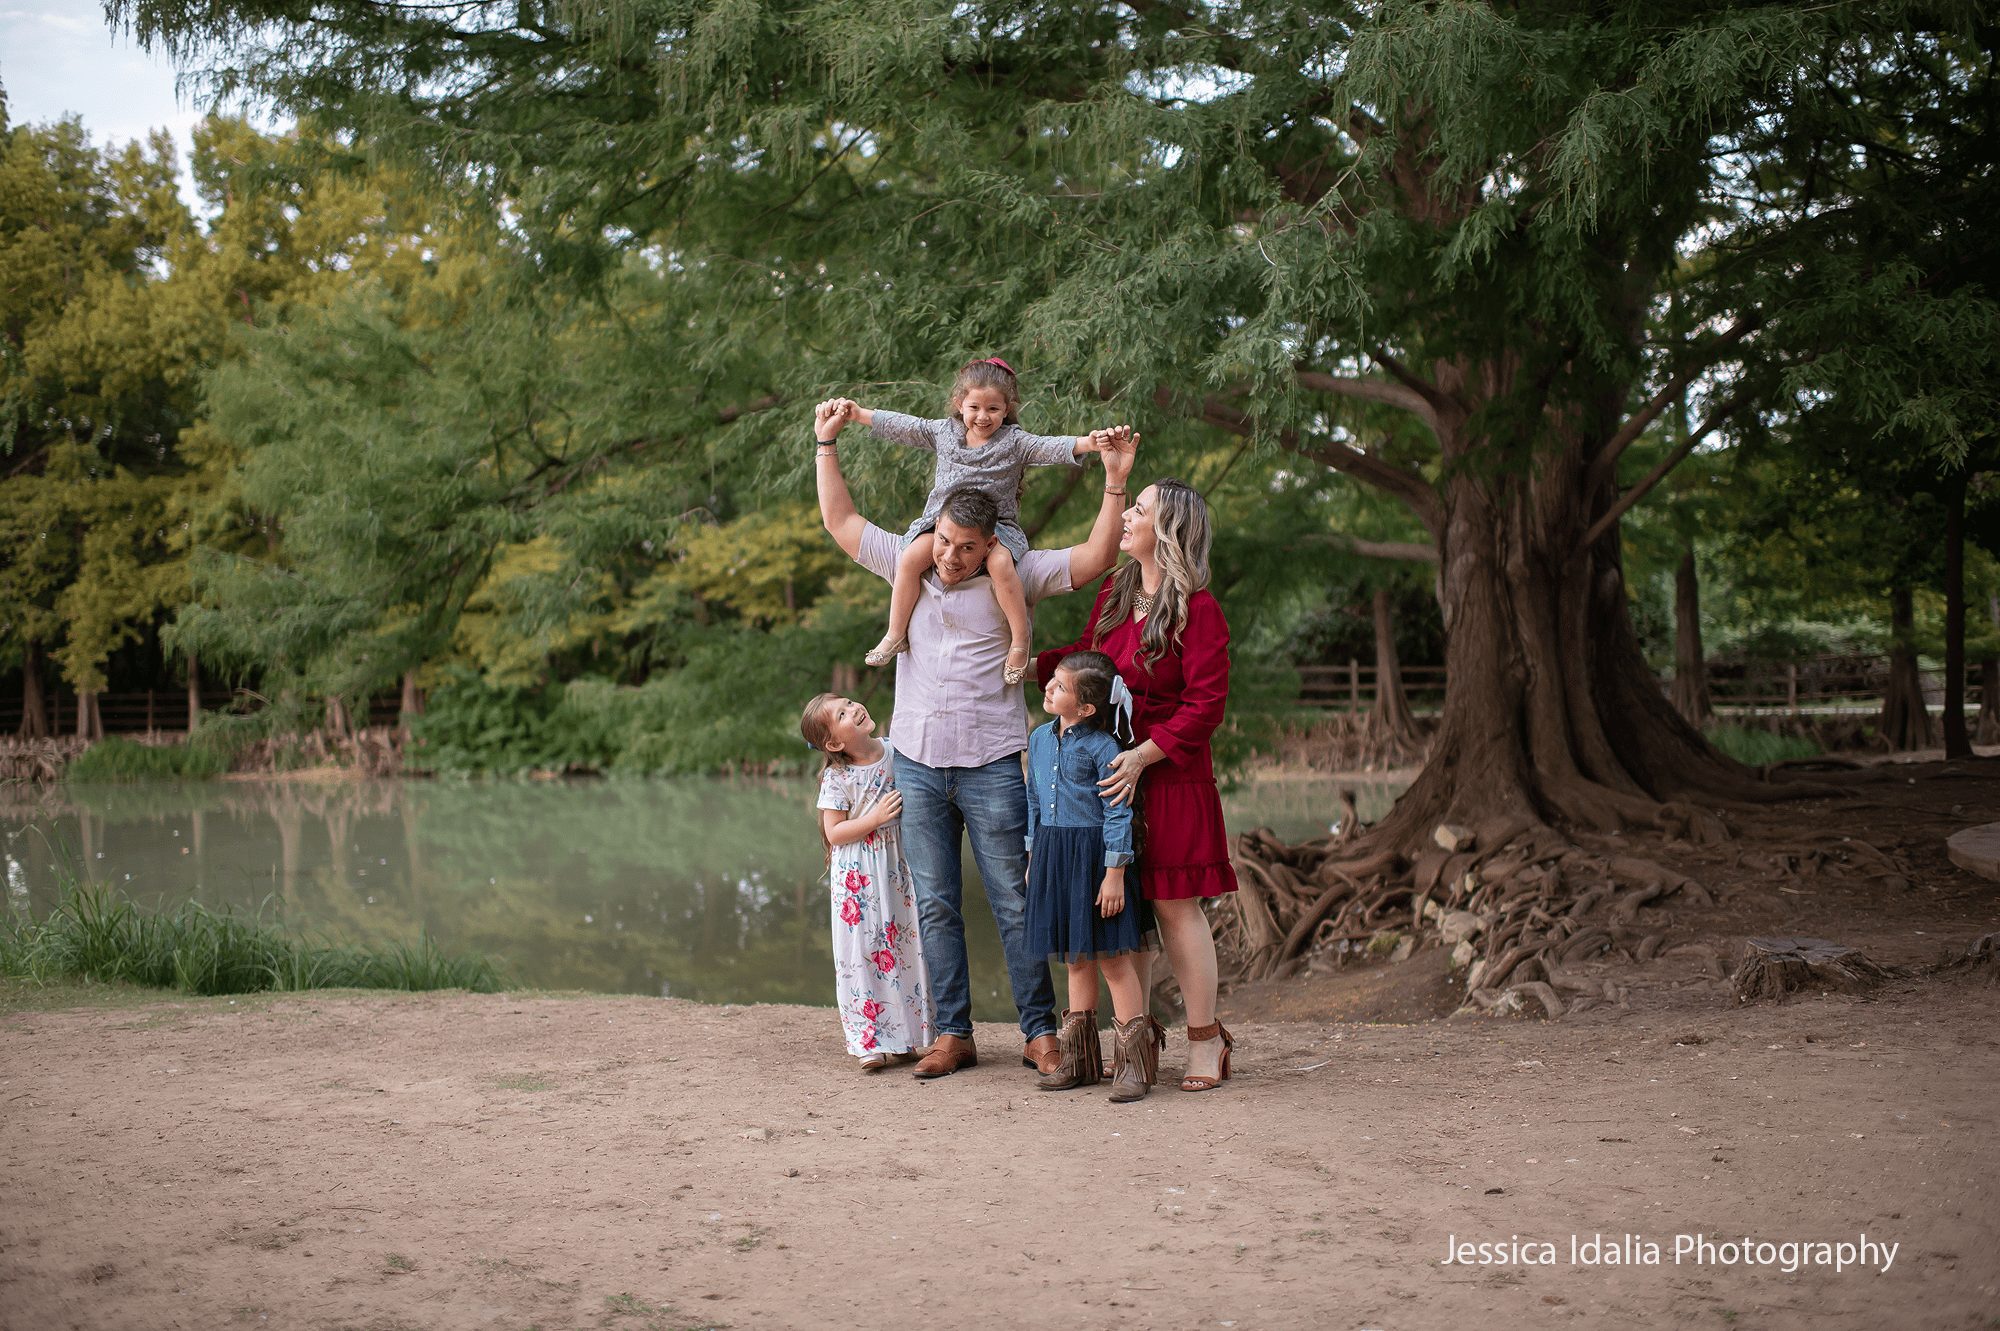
<point>996,467</point>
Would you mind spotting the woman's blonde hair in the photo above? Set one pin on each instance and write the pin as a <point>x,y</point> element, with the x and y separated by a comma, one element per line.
<point>991,373</point>
<point>1181,535</point>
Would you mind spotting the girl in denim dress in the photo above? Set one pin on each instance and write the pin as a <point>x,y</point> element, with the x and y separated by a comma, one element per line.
<point>1080,846</point>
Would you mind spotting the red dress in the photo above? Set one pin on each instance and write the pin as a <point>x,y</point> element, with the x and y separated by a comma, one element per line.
<point>1177,704</point>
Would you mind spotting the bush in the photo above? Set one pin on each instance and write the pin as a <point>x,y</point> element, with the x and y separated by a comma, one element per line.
<point>97,934</point>
<point>1754,748</point>
<point>116,759</point>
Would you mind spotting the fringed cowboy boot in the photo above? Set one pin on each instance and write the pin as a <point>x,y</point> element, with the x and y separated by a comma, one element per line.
<point>1080,1051</point>
<point>1136,1046</point>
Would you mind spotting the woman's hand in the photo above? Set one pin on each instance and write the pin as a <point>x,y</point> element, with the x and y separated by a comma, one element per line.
<point>1111,894</point>
<point>887,808</point>
<point>1126,769</point>
<point>1118,447</point>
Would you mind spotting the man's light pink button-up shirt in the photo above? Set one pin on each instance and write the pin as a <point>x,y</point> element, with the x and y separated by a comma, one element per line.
<point>953,708</point>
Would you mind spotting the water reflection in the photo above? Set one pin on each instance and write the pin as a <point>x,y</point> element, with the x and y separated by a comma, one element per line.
<point>704,889</point>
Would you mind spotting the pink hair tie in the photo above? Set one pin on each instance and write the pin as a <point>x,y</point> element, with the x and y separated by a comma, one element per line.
<point>995,360</point>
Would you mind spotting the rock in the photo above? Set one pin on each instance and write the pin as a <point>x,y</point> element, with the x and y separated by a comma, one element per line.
<point>1468,883</point>
<point>1976,850</point>
<point>1383,942</point>
<point>1453,838</point>
<point>1403,949</point>
<point>1459,925</point>
<point>756,1134</point>
<point>1462,955</point>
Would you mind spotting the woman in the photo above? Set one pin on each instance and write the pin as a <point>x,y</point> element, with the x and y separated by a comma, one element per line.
<point>1155,617</point>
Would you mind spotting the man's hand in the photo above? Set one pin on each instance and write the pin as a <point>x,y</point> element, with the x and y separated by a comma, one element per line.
<point>828,418</point>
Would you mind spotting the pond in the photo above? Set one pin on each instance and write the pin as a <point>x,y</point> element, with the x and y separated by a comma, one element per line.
<point>703,889</point>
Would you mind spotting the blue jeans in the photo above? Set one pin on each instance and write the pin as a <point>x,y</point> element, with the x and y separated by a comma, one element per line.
<point>991,803</point>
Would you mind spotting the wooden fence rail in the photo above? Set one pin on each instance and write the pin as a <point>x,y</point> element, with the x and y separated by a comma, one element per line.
<point>1829,684</point>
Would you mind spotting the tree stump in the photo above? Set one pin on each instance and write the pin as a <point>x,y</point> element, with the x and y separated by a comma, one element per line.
<point>1774,967</point>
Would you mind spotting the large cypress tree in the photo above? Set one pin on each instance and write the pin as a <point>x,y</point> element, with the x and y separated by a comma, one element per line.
<point>1287,221</point>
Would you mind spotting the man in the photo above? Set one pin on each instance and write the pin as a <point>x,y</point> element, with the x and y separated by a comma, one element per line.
<point>959,730</point>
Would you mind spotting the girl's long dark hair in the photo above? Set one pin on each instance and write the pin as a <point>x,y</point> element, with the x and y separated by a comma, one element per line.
<point>813,727</point>
<point>1092,673</point>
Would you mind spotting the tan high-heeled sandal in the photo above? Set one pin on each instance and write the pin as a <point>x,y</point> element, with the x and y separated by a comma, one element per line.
<point>1193,1082</point>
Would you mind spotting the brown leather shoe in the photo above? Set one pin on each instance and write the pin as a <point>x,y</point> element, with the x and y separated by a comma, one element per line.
<point>948,1055</point>
<point>1043,1053</point>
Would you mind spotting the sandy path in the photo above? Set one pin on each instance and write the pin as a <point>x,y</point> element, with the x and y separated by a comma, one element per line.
<point>379,1162</point>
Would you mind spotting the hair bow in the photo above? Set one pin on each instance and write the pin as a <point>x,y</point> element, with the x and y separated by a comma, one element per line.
<point>1121,699</point>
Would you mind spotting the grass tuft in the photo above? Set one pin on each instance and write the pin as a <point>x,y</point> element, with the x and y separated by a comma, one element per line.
<point>1754,748</point>
<point>117,759</point>
<point>96,933</point>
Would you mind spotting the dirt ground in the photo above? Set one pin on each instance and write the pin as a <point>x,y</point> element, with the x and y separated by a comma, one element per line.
<point>376,1162</point>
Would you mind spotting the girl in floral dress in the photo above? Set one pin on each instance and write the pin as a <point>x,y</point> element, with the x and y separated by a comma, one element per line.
<point>878,965</point>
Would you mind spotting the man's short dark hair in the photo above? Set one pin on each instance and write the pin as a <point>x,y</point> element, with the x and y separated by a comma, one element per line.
<point>970,506</point>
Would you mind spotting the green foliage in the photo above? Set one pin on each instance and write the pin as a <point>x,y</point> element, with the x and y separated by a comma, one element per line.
<point>117,759</point>
<point>1753,748</point>
<point>95,933</point>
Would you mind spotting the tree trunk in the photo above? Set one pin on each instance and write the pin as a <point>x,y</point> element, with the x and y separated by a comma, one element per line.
<point>413,703</point>
<point>1989,686</point>
<point>336,718</point>
<point>88,725</point>
<point>1691,698</point>
<point>1553,724</point>
<point>1393,737</point>
<point>1906,722</point>
<point>34,715</point>
<point>1957,740</point>
<point>1551,713</point>
<point>194,693</point>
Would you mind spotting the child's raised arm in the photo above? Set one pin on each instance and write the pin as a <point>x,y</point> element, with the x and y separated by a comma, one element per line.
<point>894,426</point>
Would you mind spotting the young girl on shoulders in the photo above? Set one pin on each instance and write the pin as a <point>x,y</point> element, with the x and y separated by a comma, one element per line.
<point>1079,847</point>
<point>878,965</point>
<point>981,444</point>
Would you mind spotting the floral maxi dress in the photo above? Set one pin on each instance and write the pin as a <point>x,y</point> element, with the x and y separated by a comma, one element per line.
<point>878,966</point>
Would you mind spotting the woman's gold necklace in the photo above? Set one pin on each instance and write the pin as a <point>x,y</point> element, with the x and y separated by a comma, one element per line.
<point>1142,605</point>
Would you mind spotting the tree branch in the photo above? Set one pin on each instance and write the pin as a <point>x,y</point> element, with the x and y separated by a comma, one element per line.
<point>1409,551</point>
<point>1658,473</point>
<point>1405,484</point>
<point>1372,390</point>
<point>1604,466</point>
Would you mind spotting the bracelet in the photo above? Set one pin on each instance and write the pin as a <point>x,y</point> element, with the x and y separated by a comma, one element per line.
<point>1108,490</point>
<point>825,448</point>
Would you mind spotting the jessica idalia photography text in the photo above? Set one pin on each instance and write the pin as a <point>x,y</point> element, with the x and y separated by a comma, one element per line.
<point>1787,1255</point>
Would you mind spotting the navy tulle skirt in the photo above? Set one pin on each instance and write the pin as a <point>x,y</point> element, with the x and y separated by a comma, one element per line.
<point>1064,872</point>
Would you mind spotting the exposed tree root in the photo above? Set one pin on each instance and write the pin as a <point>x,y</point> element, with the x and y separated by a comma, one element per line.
<point>1775,967</point>
<point>1981,960</point>
<point>1520,903</point>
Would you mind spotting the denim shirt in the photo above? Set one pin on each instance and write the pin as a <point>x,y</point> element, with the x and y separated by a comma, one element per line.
<point>1063,772</point>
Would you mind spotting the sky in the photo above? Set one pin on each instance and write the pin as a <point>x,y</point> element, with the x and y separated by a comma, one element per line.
<point>59,57</point>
